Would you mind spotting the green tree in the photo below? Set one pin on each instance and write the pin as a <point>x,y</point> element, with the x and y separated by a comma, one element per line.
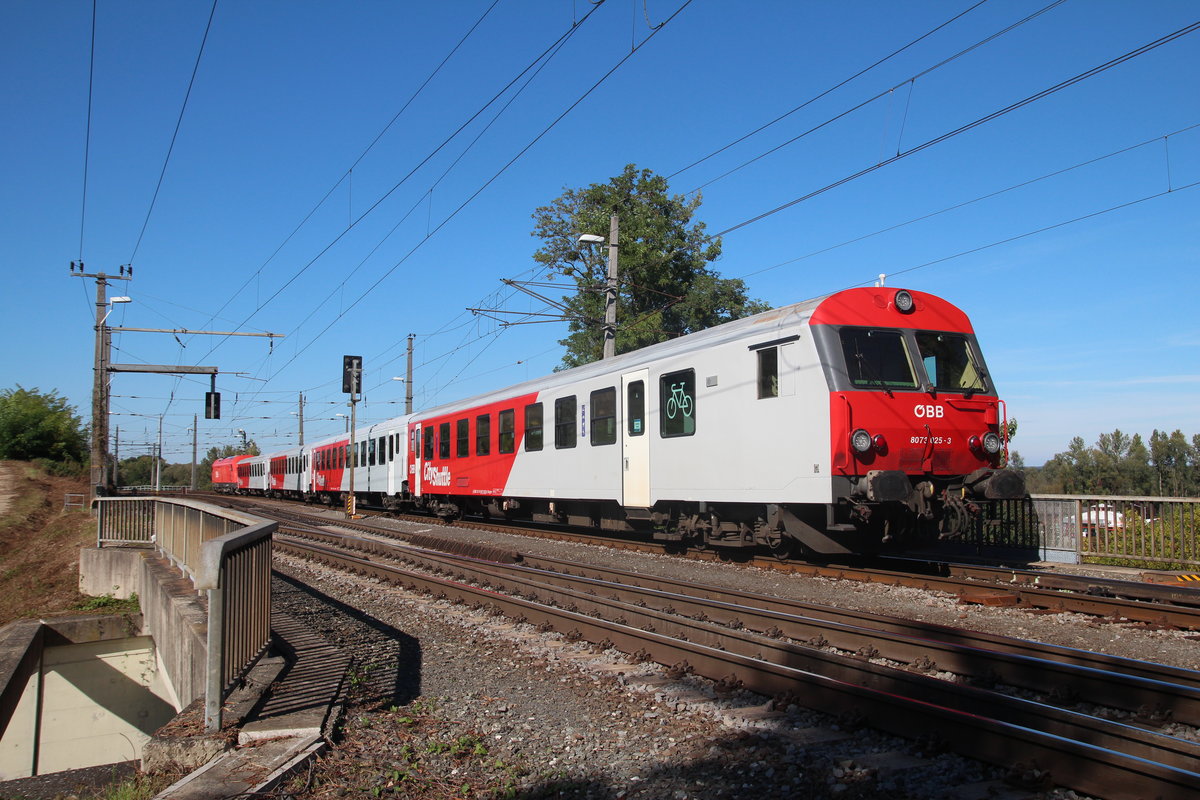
<point>40,425</point>
<point>665,288</point>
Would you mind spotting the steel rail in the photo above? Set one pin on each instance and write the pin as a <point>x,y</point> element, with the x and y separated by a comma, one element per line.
<point>1154,692</point>
<point>1169,608</point>
<point>1131,761</point>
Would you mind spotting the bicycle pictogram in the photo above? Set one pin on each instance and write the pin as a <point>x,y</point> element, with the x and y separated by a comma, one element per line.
<point>678,401</point>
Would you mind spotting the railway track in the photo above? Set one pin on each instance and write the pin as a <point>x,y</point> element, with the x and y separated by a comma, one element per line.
<point>832,661</point>
<point>1152,604</point>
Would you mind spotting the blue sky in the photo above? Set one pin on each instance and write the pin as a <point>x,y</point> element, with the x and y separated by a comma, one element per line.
<point>1081,285</point>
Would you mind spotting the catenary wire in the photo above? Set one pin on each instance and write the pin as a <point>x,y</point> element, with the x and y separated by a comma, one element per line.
<point>831,89</point>
<point>175,135</point>
<point>569,33</point>
<point>362,155</point>
<point>885,93</point>
<point>970,125</point>
<point>445,221</point>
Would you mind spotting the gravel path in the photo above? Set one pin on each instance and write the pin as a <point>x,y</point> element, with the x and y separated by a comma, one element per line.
<point>454,703</point>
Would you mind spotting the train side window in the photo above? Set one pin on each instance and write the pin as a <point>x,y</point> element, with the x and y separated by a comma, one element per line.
<point>483,434</point>
<point>533,426</point>
<point>768,372</point>
<point>677,401</point>
<point>371,452</point>
<point>382,451</point>
<point>604,416</point>
<point>635,408</point>
<point>429,443</point>
<point>508,431</point>
<point>463,435</point>
<point>391,447</point>
<point>564,422</point>
<point>444,440</point>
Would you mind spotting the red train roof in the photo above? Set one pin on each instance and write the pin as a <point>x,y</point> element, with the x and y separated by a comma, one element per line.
<point>876,306</point>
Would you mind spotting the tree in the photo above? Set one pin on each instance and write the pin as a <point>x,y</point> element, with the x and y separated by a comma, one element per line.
<point>665,288</point>
<point>36,425</point>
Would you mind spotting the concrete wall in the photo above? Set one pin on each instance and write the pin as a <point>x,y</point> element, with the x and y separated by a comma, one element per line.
<point>83,691</point>
<point>100,703</point>
<point>171,610</point>
<point>115,571</point>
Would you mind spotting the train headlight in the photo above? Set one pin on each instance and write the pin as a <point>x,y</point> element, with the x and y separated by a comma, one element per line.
<point>991,443</point>
<point>903,302</point>
<point>860,440</point>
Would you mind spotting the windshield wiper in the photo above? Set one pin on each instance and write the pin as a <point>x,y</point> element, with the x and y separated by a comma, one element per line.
<point>865,366</point>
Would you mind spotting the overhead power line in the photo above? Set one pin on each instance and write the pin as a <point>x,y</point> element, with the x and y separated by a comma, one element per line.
<point>831,89</point>
<point>910,81</point>
<point>178,124</point>
<point>970,125</point>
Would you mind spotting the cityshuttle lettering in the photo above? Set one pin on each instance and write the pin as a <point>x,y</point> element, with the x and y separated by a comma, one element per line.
<point>435,476</point>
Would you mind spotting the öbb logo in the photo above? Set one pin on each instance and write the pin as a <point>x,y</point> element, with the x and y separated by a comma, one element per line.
<point>929,412</point>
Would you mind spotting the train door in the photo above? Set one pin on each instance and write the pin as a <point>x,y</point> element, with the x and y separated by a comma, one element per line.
<point>414,484</point>
<point>635,441</point>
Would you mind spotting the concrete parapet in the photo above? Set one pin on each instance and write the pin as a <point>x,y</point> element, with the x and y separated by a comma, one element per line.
<point>115,571</point>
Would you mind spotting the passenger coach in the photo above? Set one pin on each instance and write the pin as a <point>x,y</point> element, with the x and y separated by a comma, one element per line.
<point>834,425</point>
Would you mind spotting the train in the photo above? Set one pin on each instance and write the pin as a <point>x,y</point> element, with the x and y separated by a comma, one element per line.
<point>862,421</point>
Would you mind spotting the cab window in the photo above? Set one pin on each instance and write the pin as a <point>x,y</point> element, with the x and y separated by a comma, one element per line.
<point>877,358</point>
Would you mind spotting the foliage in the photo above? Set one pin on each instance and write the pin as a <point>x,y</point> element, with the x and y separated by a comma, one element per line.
<point>665,288</point>
<point>111,605</point>
<point>34,425</point>
<point>1120,464</point>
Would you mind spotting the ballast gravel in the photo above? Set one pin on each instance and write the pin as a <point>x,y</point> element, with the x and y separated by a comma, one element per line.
<point>450,702</point>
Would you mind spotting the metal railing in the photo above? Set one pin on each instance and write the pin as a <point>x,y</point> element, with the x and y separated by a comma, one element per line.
<point>1138,531</point>
<point>226,555</point>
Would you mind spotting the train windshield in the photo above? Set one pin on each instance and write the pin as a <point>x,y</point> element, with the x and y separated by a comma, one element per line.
<point>950,362</point>
<point>877,358</point>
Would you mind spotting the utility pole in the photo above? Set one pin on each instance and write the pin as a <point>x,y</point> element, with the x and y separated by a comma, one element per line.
<point>101,480</point>
<point>408,378</point>
<point>610,291</point>
<point>195,436</point>
<point>116,455</point>
<point>158,459</point>
<point>301,413</point>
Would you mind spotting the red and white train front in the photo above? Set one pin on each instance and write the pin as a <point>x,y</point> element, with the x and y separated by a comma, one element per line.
<point>917,429</point>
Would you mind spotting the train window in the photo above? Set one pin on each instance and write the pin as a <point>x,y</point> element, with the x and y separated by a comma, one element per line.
<point>391,446</point>
<point>444,440</point>
<point>382,450</point>
<point>635,408</point>
<point>483,434</point>
<point>768,372</point>
<point>371,452</point>
<point>508,430</point>
<point>463,435</point>
<point>950,363</point>
<point>677,401</point>
<point>533,426</point>
<point>429,443</point>
<point>564,422</point>
<point>604,416</point>
<point>877,358</point>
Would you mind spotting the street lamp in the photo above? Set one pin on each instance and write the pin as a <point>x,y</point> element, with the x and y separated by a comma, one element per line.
<point>610,286</point>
